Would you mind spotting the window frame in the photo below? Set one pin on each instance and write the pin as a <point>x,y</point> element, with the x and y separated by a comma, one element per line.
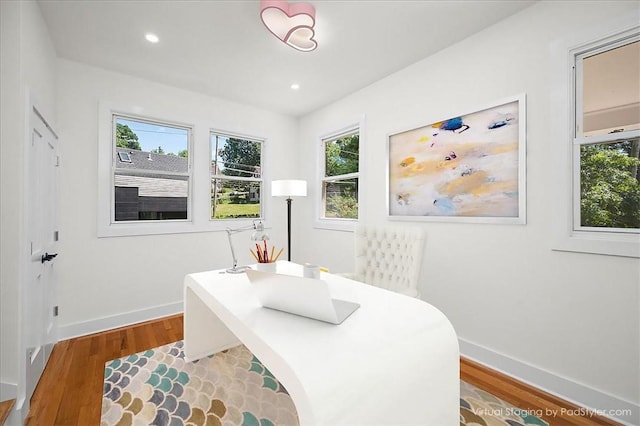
<point>122,156</point>
<point>262,142</point>
<point>581,140</point>
<point>107,226</point>
<point>564,108</point>
<point>338,224</point>
<point>199,160</point>
<point>189,174</point>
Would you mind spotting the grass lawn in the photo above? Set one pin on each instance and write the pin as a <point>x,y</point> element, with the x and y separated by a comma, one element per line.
<point>224,211</point>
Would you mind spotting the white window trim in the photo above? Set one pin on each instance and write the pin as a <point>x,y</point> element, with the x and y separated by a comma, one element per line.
<point>236,223</point>
<point>200,188</point>
<point>338,224</point>
<point>189,174</point>
<point>562,109</point>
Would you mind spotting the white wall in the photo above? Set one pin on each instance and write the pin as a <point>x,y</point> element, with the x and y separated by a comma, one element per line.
<point>505,291</point>
<point>109,282</point>
<point>503,288</point>
<point>27,66</point>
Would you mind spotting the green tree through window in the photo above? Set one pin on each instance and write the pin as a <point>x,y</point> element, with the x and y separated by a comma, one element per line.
<point>236,177</point>
<point>610,185</point>
<point>240,157</point>
<point>125,138</point>
<point>341,176</point>
<point>342,156</point>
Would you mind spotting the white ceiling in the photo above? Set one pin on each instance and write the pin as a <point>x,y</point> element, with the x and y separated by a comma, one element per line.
<point>221,48</point>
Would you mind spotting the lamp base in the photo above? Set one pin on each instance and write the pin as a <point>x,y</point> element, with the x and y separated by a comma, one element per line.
<point>237,270</point>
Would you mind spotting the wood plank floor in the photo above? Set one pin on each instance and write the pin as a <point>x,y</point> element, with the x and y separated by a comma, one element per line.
<point>554,410</point>
<point>5,409</point>
<point>70,390</point>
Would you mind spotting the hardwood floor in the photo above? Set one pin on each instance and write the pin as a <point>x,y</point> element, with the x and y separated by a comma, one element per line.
<point>5,409</point>
<point>70,390</point>
<point>554,410</point>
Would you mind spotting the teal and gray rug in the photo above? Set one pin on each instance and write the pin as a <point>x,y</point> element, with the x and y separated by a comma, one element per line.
<point>157,387</point>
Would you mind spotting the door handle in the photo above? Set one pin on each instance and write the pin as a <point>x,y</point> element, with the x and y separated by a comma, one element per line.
<point>48,257</point>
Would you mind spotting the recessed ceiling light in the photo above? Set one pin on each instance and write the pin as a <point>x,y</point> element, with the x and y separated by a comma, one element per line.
<point>152,38</point>
<point>295,86</point>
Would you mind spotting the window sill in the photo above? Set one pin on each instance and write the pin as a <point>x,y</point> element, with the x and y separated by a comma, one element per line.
<point>131,229</point>
<point>347,225</point>
<point>601,243</point>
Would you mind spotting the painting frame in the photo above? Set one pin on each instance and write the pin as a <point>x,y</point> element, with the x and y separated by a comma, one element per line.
<point>468,168</point>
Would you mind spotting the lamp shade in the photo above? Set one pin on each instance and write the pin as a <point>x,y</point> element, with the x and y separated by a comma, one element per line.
<point>289,188</point>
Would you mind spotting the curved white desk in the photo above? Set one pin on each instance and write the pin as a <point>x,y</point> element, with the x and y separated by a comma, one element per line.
<point>395,361</point>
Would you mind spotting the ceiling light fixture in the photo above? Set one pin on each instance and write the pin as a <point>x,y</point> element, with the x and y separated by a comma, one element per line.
<point>151,38</point>
<point>291,23</point>
<point>295,86</point>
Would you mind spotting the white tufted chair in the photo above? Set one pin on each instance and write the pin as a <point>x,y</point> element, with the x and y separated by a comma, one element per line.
<point>389,257</point>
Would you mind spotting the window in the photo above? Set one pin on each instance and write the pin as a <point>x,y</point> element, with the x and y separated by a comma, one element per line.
<point>151,173</point>
<point>236,177</point>
<point>124,156</point>
<point>340,176</point>
<point>594,132</point>
<point>607,137</point>
<point>152,180</point>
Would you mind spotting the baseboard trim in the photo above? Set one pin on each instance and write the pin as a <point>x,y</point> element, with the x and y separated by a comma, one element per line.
<point>8,391</point>
<point>16,415</point>
<point>84,328</point>
<point>625,412</point>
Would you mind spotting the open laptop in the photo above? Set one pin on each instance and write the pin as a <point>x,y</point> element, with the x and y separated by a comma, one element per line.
<point>307,297</point>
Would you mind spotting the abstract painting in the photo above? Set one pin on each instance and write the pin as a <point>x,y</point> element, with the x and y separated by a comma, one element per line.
<point>467,168</point>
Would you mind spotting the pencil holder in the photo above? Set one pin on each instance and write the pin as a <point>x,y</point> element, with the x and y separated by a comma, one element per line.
<point>266,267</point>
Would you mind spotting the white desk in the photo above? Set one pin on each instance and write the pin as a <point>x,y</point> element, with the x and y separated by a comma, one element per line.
<point>394,361</point>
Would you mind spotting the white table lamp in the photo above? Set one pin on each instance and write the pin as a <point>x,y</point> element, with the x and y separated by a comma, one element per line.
<point>258,235</point>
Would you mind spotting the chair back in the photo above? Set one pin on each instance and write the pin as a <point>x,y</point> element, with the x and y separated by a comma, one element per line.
<point>389,257</point>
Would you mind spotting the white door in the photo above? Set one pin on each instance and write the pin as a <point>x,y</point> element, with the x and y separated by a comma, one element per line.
<point>41,229</point>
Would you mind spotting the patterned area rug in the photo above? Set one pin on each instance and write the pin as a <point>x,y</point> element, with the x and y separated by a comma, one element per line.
<point>157,387</point>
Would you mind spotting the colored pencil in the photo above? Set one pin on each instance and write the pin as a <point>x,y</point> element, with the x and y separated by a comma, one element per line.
<point>278,255</point>
<point>254,255</point>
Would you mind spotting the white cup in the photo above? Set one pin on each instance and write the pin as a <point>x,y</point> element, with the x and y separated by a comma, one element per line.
<point>311,271</point>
